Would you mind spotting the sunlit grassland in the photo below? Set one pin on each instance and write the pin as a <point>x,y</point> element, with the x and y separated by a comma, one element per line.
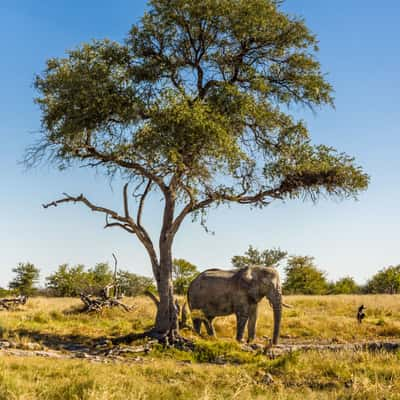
<point>341,375</point>
<point>312,318</point>
<point>173,374</point>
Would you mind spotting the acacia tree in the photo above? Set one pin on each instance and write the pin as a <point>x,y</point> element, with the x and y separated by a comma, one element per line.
<point>253,256</point>
<point>26,279</point>
<point>183,272</point>
<point>346,285</point>
<point>131,284</point>
<point>303,277</point>
<point>67,281</point>
<point>387,280</point>
<point>194,106</point>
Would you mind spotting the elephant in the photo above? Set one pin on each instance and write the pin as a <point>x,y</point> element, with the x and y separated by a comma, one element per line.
<point>217,292</point>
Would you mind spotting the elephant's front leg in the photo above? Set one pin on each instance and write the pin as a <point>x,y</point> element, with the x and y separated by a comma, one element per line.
<point>251,325</point>
<point>241,318</point>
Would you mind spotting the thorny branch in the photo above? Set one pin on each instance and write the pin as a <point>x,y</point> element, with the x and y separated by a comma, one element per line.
<point>125,222</point>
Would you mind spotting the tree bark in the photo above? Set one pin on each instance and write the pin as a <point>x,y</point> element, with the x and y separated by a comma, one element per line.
<point>166,324</point>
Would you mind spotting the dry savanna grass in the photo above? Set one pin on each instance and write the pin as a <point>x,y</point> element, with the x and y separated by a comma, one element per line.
<point>327,319</point>
<point>173,374</point>
<point>312,318</point>
<point>313,375</point>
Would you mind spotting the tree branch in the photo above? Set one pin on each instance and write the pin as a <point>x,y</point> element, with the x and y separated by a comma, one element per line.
<point>82,199</point>
<point>93,152</point>
<point>126,204</point>
<point>240,199</point>
<point>153,297</point>
<point>126,223</point>
<point>185,211</point>
<point>141,203</point>
<point>119,225</point>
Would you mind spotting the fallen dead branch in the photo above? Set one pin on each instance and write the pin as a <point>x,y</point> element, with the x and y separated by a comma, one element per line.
<point>93,304</point>
<point>109,296</point>
<point>13,303</point>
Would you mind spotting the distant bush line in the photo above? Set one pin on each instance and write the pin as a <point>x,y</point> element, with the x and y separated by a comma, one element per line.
<point>301,277</point>
<point>71,281</point>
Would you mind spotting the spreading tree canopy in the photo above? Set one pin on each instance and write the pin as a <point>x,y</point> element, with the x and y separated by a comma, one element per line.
<point>194,104</point>
<point>253,256</point>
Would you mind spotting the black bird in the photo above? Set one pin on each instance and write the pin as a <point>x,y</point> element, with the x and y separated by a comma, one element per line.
<point>360,313</point>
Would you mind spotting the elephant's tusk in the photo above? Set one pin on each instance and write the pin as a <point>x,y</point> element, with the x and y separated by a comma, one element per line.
<point>287,305</point>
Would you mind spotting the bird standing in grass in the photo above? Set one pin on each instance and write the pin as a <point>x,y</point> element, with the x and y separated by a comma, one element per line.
<point>360,313</point>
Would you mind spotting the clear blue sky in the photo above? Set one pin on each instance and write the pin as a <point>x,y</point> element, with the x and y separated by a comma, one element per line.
<point>359,42</point>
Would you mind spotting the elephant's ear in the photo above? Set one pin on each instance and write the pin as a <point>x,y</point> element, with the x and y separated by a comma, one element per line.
<point>249,279</point>
<point>245,276</point>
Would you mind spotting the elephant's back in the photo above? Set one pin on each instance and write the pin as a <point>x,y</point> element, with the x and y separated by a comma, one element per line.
<point>210,277</point>
<point>207,285</point>
<point>215,273</point>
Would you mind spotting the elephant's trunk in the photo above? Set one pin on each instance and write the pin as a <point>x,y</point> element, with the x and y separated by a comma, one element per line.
<point>277,308</point>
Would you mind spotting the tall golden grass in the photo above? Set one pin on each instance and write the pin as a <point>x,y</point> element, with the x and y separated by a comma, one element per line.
<point>311,318</point>
<point>172,374</point>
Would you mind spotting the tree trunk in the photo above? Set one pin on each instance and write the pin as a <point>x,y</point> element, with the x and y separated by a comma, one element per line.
<point>166,324</point>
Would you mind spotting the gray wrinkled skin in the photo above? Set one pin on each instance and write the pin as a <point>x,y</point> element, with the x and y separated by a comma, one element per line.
<point>217,292</point>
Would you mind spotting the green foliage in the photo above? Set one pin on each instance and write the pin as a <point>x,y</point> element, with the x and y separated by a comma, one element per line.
<point>70,281</point>
<point>4,292</point>
<point>27,277</point>
<point>183,273</point>
<point>322,375</point>
<point>346,285</point>
<point>253,256</point>
<point>98,277</point>
<point>134,285</point>
<point>198,91</point>
<point>387,280</point>
<point>222,352</point>
<point>211,352</point>
<point>194,104</point>
<point>303,277</point>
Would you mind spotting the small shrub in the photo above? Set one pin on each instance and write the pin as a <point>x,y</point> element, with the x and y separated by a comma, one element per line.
<point>41,317</point>
<point>56,316</point>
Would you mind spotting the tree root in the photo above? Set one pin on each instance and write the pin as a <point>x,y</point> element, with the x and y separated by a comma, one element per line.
<point>166,339</point>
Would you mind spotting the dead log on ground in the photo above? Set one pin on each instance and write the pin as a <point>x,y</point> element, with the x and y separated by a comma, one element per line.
<point>12,303</point>
<point>93,304</point>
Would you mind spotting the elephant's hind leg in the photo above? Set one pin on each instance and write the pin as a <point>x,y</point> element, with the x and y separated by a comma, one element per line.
<point>209,326</point>
<point>197,325</point>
